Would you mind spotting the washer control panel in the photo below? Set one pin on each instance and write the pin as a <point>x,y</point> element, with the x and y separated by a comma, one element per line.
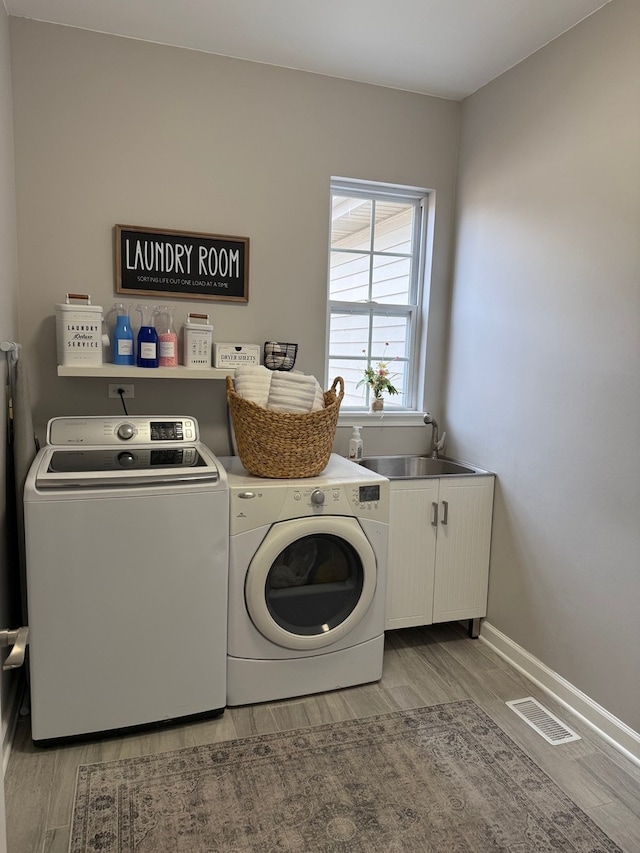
<point>124,430</point>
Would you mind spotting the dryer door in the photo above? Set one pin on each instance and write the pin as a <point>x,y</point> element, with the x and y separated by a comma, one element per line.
<point>311,581</point>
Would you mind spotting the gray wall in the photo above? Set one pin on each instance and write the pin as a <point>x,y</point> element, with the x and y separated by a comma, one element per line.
<point>544,377</point>
<point>9,612</point>
<point>110,130</point>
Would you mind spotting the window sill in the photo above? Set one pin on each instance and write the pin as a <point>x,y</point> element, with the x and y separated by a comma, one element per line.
<point>353,417</point>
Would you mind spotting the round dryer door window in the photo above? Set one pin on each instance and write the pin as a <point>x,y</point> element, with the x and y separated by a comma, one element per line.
<point>311,581</point>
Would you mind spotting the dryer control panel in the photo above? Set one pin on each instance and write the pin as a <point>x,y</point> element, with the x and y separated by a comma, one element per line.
<point>343,488</point>
<point>256,506</point>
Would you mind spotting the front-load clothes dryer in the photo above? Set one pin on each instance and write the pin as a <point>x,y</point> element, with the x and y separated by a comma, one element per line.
<point>307,581</point>
<point>127,535</point>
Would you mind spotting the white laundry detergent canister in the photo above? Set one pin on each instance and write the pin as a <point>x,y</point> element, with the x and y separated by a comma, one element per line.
<point>79,331</point>
<point>198,341</point>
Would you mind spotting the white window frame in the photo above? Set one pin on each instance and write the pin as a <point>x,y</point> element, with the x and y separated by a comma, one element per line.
<point>416,312</point>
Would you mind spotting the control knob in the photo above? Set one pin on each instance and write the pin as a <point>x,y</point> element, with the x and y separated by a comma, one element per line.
<point>317,497</point>
<point>126,431</point>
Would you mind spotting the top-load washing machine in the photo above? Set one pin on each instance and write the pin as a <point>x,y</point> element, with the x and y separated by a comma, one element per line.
<point>127,535</point>
<point>307,581</point>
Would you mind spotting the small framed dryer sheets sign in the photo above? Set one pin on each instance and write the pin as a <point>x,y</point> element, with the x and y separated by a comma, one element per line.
<point>168,264</point>
<point>235,355</point>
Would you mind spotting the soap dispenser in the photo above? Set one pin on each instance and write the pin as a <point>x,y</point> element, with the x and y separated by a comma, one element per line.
<point>167,336</point>
<point>147,354</point>
<point>355,444</point>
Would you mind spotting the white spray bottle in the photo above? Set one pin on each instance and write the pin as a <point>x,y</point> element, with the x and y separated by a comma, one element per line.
<point>355,444</point>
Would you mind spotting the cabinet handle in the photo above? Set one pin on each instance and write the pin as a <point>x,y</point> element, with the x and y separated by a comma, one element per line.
<point>445,511</point>
<point>434,517</point>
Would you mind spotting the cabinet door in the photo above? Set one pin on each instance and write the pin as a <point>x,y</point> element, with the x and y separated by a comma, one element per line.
<point>463,546</point>
<point>412,548</point>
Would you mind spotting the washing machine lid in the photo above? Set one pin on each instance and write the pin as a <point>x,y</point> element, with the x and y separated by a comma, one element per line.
<point>117,452</point>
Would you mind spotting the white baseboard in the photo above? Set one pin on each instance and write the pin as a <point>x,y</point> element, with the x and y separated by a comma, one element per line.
<point>614,731</point>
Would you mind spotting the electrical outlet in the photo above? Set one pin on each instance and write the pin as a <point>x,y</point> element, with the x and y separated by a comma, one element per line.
<point>127,391</point>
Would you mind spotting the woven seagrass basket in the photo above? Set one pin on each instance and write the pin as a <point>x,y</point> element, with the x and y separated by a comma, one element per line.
<point>283,444</point>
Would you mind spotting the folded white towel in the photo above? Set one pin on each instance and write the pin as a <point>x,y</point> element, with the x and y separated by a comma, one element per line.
<point>318,400</point>
<point>294,392</point>
<point>253,382</point>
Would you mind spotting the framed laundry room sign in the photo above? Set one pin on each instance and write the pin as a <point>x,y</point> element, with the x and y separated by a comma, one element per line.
<point>164,263</point>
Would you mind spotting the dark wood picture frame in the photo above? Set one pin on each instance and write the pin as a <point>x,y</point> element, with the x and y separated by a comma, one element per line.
<point>171,264</point>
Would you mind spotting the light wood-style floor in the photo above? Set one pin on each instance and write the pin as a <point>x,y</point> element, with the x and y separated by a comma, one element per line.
<point>423,666</point>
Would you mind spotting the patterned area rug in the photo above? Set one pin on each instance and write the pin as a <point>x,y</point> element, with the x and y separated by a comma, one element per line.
<point>442,779</point>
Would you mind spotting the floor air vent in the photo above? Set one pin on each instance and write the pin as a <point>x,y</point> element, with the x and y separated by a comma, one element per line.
<point>536,715</point>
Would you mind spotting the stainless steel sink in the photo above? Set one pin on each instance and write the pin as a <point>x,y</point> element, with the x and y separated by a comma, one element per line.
<point>414,467</point>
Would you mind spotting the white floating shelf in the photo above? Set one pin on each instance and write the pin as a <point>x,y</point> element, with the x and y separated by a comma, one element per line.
<point>117,371</point>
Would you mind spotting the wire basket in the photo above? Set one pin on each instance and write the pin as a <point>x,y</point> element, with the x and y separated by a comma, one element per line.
<point>285,444</point>
<point>279,356</point>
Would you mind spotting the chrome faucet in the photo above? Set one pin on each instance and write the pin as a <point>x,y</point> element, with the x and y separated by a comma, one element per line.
<point>437,443</point>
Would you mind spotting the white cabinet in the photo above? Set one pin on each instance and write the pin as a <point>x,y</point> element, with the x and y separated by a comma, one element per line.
<point>412,553</point>
<point>439,543</point>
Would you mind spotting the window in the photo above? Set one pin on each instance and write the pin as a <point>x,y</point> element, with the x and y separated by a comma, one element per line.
<point>376,266</point>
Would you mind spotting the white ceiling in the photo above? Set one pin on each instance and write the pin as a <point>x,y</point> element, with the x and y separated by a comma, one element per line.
<point>448,48</point>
